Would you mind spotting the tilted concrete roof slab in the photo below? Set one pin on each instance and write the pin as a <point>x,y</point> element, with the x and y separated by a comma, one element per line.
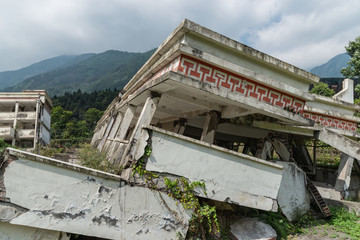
<point>65,197</point>
<point>187,31</point>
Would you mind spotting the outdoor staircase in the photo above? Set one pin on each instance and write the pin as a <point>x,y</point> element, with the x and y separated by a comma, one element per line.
<point>318,199</point>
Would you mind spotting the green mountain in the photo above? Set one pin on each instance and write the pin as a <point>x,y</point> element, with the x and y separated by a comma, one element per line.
<point>331,69</point>
<point>11,78</point>
<point>110,69</point>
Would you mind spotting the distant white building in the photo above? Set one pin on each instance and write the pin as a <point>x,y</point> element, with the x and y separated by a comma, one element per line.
<point>25,118</point>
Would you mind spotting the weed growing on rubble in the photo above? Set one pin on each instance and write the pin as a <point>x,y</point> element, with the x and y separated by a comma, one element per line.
<point>50,151</point>
<point>3,146</point>
<point>92,158</point>
<point>204,216</point>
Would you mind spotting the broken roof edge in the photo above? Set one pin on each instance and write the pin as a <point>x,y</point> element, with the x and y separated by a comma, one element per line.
<point>157,55</point>
<point>61,164</point>
<point>31,93</point>
<point>189,26</point>
<point>336,102</point>
<point>249,51</point>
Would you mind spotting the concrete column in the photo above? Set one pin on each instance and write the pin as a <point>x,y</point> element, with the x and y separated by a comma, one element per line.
<point>15,123</point>
<point>125,124</point>
<point>118,148</point>
<point>109,142</point>
<point>180,126</point>
<point>264,149</point>
<point>344,173</point>
<point>210,125</point>
<point>281,150</point>
<point>139,137</point>
<point>36,130</point>
<point>107,132</point>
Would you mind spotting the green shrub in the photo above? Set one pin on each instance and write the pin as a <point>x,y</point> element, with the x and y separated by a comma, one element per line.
<point>92,158</point>
<point>3,146</point>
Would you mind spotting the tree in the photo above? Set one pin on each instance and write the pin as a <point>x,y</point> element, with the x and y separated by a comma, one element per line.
<point>59,119</point>
<point>353,67</point>
<point>323,89</point>
<point>76,129</point>
<point>92,116</point>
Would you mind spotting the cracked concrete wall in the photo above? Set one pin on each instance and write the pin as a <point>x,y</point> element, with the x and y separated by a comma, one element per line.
<point>229,177</point>
<point>61,199</point>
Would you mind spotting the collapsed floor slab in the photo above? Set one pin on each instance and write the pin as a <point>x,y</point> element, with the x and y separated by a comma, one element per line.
<point>229,177</point>
<point>68,198</point>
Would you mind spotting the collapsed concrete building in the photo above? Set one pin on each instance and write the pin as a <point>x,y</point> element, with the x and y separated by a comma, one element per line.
<point>25,118</point>
<point>210,109</point>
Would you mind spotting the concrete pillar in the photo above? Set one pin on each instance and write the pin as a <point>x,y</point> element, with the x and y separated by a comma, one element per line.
<point>107,132</point>
<point>281,150</point>
<point>117,149</point>
<point>109,142</point>
<point>344,173</point>
<point>264,149</point>
<point>125,123</point>
<point>210,125</point>
<point>139,137</point>
<point>347,92</point>
<point>180,126</point>
<point>37,118</point>
<point>15,123</point>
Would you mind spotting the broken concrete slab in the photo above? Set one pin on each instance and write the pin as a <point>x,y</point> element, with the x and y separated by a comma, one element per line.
<point>293,197</point>
<point>229,176</point>
<point>82,201</point>
<point>328,192</point>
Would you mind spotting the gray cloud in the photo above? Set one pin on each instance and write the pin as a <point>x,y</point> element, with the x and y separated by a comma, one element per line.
<point>304,33</point>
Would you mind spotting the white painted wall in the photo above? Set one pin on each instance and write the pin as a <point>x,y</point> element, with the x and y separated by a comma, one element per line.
<point>229,176</point>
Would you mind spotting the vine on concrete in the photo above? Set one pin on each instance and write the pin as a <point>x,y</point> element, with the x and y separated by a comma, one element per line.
<point>183,191</point>
<point>139,168</point>
<point>180,189</point>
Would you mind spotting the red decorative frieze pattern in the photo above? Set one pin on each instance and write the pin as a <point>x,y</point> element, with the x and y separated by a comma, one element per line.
<point>173,66</point>
<point>220,78</point>
<point>237,84</point>
<point>332,122</point>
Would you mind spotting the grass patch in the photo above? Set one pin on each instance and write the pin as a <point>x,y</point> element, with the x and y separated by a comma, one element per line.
<point>346,222</point>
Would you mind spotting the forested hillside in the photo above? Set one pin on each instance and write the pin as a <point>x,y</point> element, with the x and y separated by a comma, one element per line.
<point>75,115</point>
<point>108,70</point>
<point>11,78</point>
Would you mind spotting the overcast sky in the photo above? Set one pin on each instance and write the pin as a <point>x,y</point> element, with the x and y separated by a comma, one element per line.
<point>305,33</point>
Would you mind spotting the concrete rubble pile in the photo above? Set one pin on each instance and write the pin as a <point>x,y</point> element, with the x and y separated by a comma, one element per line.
<point>208,109</point>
